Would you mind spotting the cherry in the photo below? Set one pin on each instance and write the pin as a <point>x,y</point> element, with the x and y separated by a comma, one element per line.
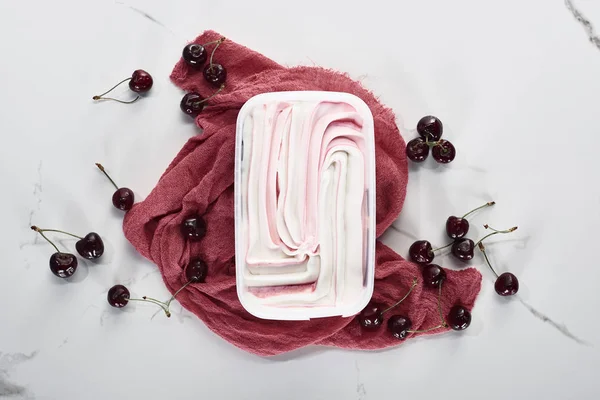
<point>506,284</point>
<point>433,275</point>
<point>215,74</point>
<point>140,82</point>
<point>457,227</point>
<point>196,270</point>
<point>123,198</point>
<point>371,317</point>
<point>463,249</point>
<point>399,326</point>
<point>193,103</point>
<point>443,151</point>
<point>417,150</point>
<point>459,318</point>
<point>62,264</point>
<point>118,296</point>
<point>430,128</point>
<point>193,228</point>
<point>90,246</point>
<point>194,54</point>
<point>421,252</point>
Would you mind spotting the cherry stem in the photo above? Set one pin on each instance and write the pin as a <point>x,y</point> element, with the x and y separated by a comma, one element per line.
<point>488,204</point>
<point>440,305</point>
<point>218,42</point>
<point>38,230</point>
<point>99,97</point>
<point>101,168</point>
<point>514,228</point>
<point>443,247</point>
<point>177,292</point>
<point>482,248</point>
<point>154,301</point>
<point>56,230</point>
<point>212,95</point>
<point>414,283</point>
<point>427,330</point>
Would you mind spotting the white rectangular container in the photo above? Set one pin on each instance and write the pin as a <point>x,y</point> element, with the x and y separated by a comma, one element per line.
<point>251,303</point>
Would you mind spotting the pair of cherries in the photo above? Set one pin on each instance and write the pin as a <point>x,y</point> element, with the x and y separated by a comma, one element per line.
<point>421,251</point>
<point>139,82</point>
<point>195,55</point>
<point>192,228</point>
<point>430,131</point>
<point>64,264</point>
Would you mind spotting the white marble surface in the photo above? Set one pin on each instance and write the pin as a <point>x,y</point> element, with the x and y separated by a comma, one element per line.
<point>517,85</point>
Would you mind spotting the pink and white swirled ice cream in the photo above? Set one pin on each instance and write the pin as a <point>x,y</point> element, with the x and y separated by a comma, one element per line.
<point>303,229</point>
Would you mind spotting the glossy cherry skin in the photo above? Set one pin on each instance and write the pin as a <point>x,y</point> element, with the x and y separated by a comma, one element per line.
<point>463,249</point>
<point>193,228</point>
<point>417,150</point>
<point>456,227</point>
<point>91,246</point>
<point>63,265</point>
<point>507,284</point>
<point>196,270</point>
<point>123,199</point>
<point>194,55</point>
<point>371,317</point>
<point>215,74</point>
<point>459,318</point>
<point>443,152</point>
<point>433,276</point>
<point>421,252</point>
<point>430,128</point>
<point>141,81</point>
<point>192,104</point>
<point>398,326</point>
<point>118,296</point>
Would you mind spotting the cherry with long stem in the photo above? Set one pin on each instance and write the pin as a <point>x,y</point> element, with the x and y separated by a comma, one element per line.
<point>371,317</point>
<point>122,198</point>
<point>506,283</point>
<point>101,96</point>
<point>61,264</point>
<point>458,227</point>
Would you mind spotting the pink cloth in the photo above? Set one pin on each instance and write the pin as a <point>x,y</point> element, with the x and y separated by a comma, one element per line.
<point>200,180</point>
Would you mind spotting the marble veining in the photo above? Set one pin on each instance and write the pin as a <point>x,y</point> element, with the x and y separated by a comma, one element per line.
<point>562,328</point>
<point>587,25</point>
<point>7,362</point>
<point>361,393</point>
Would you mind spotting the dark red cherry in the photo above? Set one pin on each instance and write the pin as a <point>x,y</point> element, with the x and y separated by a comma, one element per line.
<point>433,275</point>
<point>456,227</point>
<point>196,270</point>
<point>91,246</point>
<point>194,55</point>
<point>421,252</point>
<point>463,249</point>
<point>123,199</point>
<point>459,318</point>
<point>430,128</point>
<point>215,74</point>
<point>443,152</point>
<point>63,265</point>
<point>417,150</point>
<point>192,104</point>
<point>141,81</point>
<point>118,296</point>
<point>398,326</point>
<point>371,317</point>
<point>193,228</point>
<point>507,284</point>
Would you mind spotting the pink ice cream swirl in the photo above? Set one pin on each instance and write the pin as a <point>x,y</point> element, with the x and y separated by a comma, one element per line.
<point>303,191</point>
